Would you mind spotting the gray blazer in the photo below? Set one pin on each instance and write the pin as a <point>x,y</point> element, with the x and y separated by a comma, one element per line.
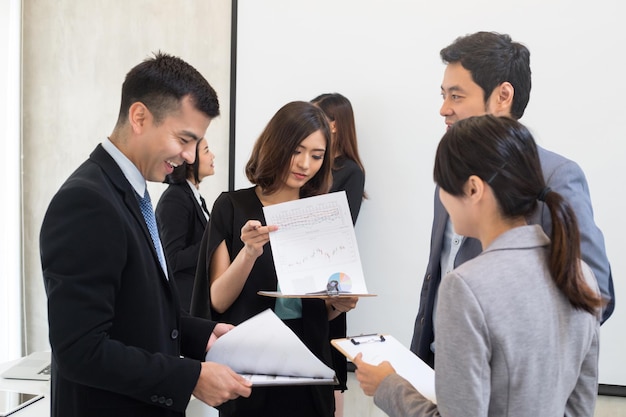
<point>508,341</point>
<point>561,175</point>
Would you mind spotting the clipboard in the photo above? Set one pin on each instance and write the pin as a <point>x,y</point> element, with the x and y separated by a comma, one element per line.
<point>377,348</point>
<point>314,249</point>
<point>331,291</point>
<point>322,295</point>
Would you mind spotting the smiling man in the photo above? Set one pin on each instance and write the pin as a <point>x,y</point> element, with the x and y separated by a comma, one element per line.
<point>488,73</point>
<point>120,346</point>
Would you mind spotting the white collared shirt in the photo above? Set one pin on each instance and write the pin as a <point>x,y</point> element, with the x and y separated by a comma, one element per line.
<point>134,177</point>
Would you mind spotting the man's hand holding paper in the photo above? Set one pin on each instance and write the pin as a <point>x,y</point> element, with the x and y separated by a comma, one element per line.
<point>264,345</point>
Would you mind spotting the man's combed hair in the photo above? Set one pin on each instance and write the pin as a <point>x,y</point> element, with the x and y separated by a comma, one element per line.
<point>161,82</point>
<point>493,58</point>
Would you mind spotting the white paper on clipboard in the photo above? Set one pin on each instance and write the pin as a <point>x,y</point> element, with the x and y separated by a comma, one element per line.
<point>377,348</point>
<point>315,248</point>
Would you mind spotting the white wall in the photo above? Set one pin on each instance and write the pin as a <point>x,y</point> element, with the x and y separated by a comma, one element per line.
<point>10,221</point>
<point>384,56</point>
<point>75,56</point>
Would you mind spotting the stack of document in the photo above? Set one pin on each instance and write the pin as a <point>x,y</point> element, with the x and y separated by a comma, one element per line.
<point>266,351</point>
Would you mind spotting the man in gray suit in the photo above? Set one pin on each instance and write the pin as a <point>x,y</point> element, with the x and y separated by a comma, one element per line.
<point>488,73</point>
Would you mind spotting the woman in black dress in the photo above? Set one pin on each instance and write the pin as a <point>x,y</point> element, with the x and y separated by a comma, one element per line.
<point>288,162</point>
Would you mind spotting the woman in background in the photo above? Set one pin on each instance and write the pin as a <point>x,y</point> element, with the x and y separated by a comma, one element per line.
<point>182,217</point>
<point>347,168</point>
<point>288,162</point>
<point>348,176</point>
<point>518,326</point>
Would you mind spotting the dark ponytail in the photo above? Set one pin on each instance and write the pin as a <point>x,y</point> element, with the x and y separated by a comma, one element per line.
<point>564,260</point>
<point>503,153</point>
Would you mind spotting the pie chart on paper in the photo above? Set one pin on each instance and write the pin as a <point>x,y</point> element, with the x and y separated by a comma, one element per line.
<point>344,281</point>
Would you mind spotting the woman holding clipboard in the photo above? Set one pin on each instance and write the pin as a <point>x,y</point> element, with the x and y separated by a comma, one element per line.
<point>518,326</point>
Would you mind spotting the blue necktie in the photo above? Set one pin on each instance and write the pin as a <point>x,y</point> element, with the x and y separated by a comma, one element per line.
<point>145,204</point>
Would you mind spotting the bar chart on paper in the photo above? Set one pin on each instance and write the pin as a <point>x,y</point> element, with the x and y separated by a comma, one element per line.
<point>315,247</point>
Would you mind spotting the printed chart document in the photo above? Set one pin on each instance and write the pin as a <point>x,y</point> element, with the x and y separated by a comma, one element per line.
<point>315,250</point>
<point>377,348</point>
<point>266,351</point>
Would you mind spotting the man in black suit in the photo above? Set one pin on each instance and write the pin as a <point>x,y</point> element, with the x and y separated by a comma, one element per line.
<point>120,346</point>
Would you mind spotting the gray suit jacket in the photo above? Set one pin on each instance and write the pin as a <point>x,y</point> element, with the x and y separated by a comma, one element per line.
<point>561,175</point>
<point>509,343</point>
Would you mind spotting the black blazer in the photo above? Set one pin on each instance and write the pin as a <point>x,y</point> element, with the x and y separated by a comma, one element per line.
<point>115,325</point>
<point>181,224</point>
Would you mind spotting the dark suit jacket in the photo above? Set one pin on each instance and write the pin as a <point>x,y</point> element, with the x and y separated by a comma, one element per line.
<point>561,175</point>
<point>181,223</point>
<point>115,326</point>
<point>348,177</point>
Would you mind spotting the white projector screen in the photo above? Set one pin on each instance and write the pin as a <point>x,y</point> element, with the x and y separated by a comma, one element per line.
<point>384,56</point>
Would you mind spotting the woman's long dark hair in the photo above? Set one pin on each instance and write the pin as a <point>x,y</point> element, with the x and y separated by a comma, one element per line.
<point>338,109</point>
<point>503,153</point>
<point>270,161</point>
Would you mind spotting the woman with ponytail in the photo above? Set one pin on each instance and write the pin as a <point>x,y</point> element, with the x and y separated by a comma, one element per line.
<point>518,326</point>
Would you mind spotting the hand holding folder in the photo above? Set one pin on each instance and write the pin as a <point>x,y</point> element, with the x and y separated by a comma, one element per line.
<point>267,352</point>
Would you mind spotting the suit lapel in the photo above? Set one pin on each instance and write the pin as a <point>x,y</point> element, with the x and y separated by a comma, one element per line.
<point>199,212</point>
<point>197,208</point>
<point>440,219</point>
<point>470,248</point>
<point>128,194</point>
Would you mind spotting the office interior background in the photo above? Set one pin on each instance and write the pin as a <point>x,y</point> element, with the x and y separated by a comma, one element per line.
<point>64,63</point>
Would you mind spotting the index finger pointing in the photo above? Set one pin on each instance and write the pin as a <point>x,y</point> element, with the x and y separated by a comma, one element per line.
<point>266,229</point>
